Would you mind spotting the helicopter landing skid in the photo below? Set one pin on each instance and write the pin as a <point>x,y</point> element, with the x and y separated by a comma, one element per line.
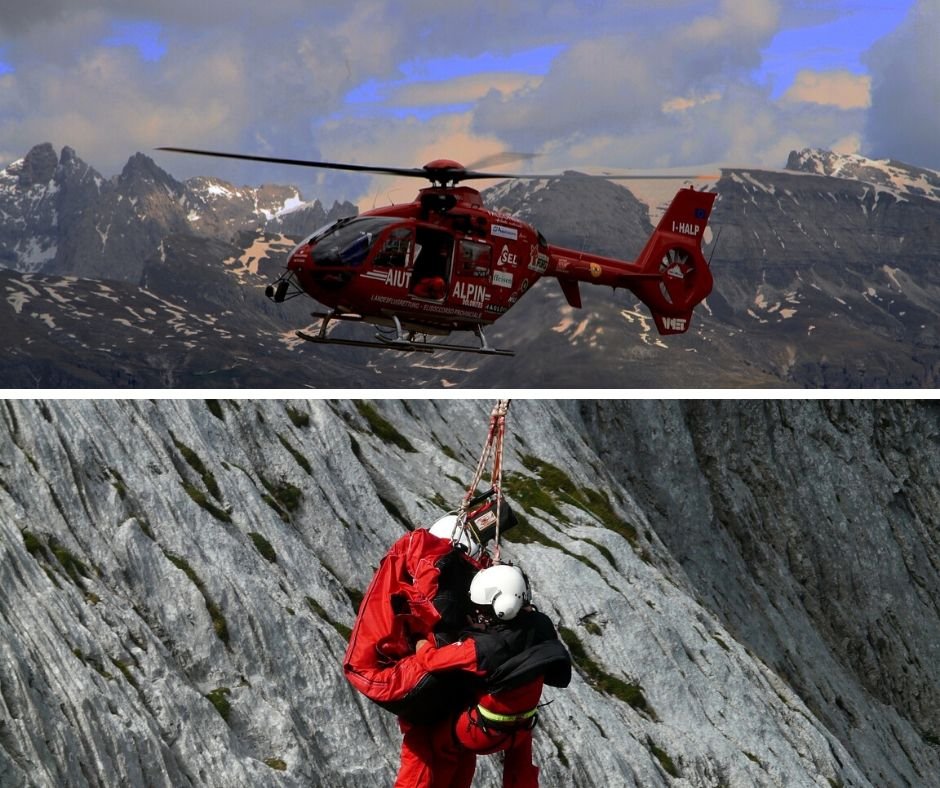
<point>405,345</point>
<point>399,342</point>
<point>411,344</point>
<point>385,344</point>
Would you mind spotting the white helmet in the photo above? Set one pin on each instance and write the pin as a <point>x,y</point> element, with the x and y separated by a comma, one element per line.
<point>448,527</point>
<point>503,586</point>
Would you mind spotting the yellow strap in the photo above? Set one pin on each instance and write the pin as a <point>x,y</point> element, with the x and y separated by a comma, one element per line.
<point>492,716</point>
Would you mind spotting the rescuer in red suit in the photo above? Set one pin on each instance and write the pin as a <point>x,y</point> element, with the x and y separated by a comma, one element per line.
<point>421,586</point>
<point>516,651</point>
<point>447,667</point>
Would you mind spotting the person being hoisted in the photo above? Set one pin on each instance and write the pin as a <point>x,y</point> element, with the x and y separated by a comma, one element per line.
<point>517,652</point>
<point>422,587</point>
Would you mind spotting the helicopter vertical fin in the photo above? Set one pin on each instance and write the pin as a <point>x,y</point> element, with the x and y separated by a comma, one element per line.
<point>678,274</point>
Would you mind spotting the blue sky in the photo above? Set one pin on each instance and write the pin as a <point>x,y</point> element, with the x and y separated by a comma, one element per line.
<point>145,36</point>
<point>376,96</point>
<point>835,43</point>
<point>606,84</point>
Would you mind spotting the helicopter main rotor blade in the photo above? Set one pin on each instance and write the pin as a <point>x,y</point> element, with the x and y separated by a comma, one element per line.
<point>472,175</point>
<point>443,175</point>
<point>408,172</point>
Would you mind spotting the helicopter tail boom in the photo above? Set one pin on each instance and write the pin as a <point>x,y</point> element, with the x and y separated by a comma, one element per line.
<point>670,276</point>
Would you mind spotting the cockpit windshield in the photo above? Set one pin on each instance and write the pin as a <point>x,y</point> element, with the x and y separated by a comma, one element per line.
<point>347,243</point>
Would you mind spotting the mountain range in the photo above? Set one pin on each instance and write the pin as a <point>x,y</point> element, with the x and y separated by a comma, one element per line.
<point>749,589</point>
<point>825,276</point>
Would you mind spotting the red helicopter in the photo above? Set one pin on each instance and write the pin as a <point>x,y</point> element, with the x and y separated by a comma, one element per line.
<point>445,263</point>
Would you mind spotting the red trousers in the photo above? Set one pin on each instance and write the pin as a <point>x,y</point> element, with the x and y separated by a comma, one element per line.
<point>445,755</point>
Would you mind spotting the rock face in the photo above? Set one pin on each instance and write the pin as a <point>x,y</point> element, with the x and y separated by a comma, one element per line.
<point>578,212</point>
<point>749,589</point>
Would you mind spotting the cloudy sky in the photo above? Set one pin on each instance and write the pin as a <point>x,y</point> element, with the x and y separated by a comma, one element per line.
<point>589,85</point>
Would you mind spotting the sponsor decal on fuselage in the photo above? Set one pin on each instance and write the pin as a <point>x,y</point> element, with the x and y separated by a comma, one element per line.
<point>537,260</point>
<point>674,323</point>
<point>398,278</point>
<point>500,231</point>
<point>470,294</point>
<point>502,279</point>
<point>506,257</point>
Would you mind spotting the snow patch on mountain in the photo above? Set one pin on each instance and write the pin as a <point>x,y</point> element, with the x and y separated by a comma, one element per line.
<point>34,252</point>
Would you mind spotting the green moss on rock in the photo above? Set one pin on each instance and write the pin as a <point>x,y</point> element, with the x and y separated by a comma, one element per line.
<point>199,497</point>
<point>263,546</point>
<point>215,408</point>
<point>299,458</point>
<point>298,418</point>
<point>664,759</point>
<point>553,486</point>
<point>219,624</point>
<point>194,462</point>
<point>601,680</point>
<point>318,610</point>
<point>219,699</point>
<point>382,428</point>
<point>283,497</point>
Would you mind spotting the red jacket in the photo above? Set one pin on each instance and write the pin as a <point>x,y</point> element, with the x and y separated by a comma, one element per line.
<point>397,610</point>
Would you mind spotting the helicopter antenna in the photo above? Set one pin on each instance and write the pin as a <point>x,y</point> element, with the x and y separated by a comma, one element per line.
<point>715,247</point>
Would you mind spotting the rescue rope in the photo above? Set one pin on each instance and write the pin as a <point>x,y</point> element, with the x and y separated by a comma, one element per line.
<point>494,447</point>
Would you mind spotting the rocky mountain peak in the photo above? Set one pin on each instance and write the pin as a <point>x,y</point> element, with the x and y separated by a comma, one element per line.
<point>69,156</point>
<point>141,168</point>
<point>39,166</point>
<point>903,179</point>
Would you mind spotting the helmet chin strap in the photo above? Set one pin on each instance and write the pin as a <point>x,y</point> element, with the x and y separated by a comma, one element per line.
<point>494,447</point>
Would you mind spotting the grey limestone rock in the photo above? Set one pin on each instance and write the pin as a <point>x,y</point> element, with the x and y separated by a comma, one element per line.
<point>749,589</point>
